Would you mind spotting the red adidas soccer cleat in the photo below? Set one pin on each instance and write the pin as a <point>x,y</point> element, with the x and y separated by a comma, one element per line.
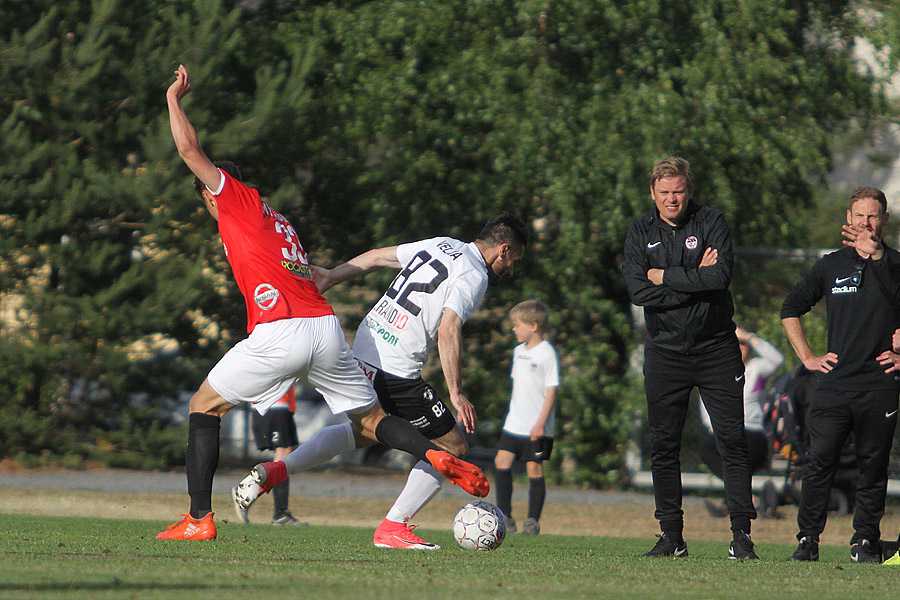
<point>391,534</point>
<point>190,528</point>
<point>459,472</point>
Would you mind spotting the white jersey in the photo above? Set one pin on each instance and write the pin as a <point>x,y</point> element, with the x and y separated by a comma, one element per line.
<point>756,374</point>
<point>533,371</point>
<point>439,273</point>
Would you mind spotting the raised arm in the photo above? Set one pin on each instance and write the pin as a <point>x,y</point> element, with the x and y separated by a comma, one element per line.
<point>184,134</point>
<point>377,258</point>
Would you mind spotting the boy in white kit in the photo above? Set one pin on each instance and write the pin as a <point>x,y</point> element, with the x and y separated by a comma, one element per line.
<point>528,431</point>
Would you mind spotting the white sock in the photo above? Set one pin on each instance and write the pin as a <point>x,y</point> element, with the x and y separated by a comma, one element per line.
<point>320,448</point>
<point>423,484</point>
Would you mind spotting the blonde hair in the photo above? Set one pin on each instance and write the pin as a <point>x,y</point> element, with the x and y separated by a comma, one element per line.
<point>672,166</point>
<point>530,311</point>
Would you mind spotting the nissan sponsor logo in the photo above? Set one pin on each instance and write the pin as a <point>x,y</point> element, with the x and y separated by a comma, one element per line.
<point>266,296</point>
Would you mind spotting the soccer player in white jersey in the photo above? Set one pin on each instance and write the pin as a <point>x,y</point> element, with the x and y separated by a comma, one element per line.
<point>440,284</point>
<point>527,434</point>
<point>292,333</point>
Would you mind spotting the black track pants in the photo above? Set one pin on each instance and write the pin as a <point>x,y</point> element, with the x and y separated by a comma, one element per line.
<point>669,378</point>
<point>833,414</point>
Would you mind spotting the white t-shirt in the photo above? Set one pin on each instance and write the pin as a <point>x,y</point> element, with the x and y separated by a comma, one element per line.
<point>768,359</point>
<point>439,273</point>
<point>533,371</point>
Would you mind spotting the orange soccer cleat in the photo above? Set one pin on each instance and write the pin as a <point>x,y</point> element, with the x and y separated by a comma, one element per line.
<point>459,472</point>
<point>190,528</point>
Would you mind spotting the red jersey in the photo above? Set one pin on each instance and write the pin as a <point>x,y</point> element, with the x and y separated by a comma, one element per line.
<point>289,401</point>
<point>265,254</point>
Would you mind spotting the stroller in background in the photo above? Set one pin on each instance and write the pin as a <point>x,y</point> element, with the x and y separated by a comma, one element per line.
<point>785,415</point>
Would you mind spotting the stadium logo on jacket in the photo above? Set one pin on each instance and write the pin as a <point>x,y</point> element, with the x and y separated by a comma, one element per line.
<point>691,243</point>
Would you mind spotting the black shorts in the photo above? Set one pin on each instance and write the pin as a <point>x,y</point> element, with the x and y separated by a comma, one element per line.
<point>415,401</point>
<point>524,449</point>
<point>275,429</point>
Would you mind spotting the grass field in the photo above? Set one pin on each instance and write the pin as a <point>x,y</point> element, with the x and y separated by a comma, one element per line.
<point>87,558</point>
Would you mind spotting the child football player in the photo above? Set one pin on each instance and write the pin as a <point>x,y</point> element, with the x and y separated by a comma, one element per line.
<point>528,430</point>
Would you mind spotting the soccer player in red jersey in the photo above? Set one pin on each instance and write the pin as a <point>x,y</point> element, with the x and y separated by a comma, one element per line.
<point>293,334</point>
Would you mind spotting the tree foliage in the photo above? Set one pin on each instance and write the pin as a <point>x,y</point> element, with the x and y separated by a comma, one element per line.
<point>378,122</point>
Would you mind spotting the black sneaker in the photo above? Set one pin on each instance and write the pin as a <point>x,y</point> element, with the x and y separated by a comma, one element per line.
<point>808,550</point>
<point>742,547</point>
<point>666,546</point>
<point>863,552</point>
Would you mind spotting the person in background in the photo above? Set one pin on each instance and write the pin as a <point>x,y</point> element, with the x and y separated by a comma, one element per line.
<point>275,430</point>
<point>528,430</point>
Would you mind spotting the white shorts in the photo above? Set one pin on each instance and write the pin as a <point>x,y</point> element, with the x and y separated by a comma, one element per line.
<point>261,368</point>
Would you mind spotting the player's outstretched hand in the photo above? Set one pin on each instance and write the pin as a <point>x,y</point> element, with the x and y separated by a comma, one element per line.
<point>182,84</point>
<point>862,239</point>
<point>822,364</point>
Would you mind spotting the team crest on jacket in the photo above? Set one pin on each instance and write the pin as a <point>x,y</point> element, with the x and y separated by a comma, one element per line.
<point>265,295</point>
<point>691,243</point>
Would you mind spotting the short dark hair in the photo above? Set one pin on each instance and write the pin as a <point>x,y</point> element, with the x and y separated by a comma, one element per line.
<point>874,193</point>
<point>505,228</point>
<point>227,166</point>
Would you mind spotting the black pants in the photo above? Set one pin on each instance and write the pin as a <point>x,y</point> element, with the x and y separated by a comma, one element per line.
<point>669,378</point>
<point>833,415</point>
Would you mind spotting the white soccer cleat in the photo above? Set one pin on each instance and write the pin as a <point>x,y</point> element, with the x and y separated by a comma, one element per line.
<point>246,492</point>
<point>239,509</point>
<point>262,478</point>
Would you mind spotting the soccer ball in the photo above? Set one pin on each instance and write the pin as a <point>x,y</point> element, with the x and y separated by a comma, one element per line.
<point>479,525</point>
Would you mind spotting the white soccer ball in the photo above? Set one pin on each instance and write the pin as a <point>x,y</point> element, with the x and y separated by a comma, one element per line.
<point>479,525</point>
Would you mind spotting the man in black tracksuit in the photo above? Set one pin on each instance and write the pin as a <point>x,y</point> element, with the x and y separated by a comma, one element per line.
<point>677,265</point>
<point>857,384</point>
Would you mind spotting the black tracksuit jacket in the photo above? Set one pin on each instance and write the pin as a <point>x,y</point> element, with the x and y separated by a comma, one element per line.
<point>692,312</point>
<point>862,299</point>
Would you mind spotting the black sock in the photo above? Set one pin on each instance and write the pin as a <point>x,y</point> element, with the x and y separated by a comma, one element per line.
<point>280,494</point>
<point>675,536</point>
<point>201,461</point>
<point>503,487</point>
<point>740,525</point>
<point>537,491</point>
<point>398,433</point>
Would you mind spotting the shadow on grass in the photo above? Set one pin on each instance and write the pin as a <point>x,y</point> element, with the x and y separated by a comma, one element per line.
<point>114,584</point>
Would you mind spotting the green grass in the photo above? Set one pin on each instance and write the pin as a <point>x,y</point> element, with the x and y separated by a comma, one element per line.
<point>78,558</point>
